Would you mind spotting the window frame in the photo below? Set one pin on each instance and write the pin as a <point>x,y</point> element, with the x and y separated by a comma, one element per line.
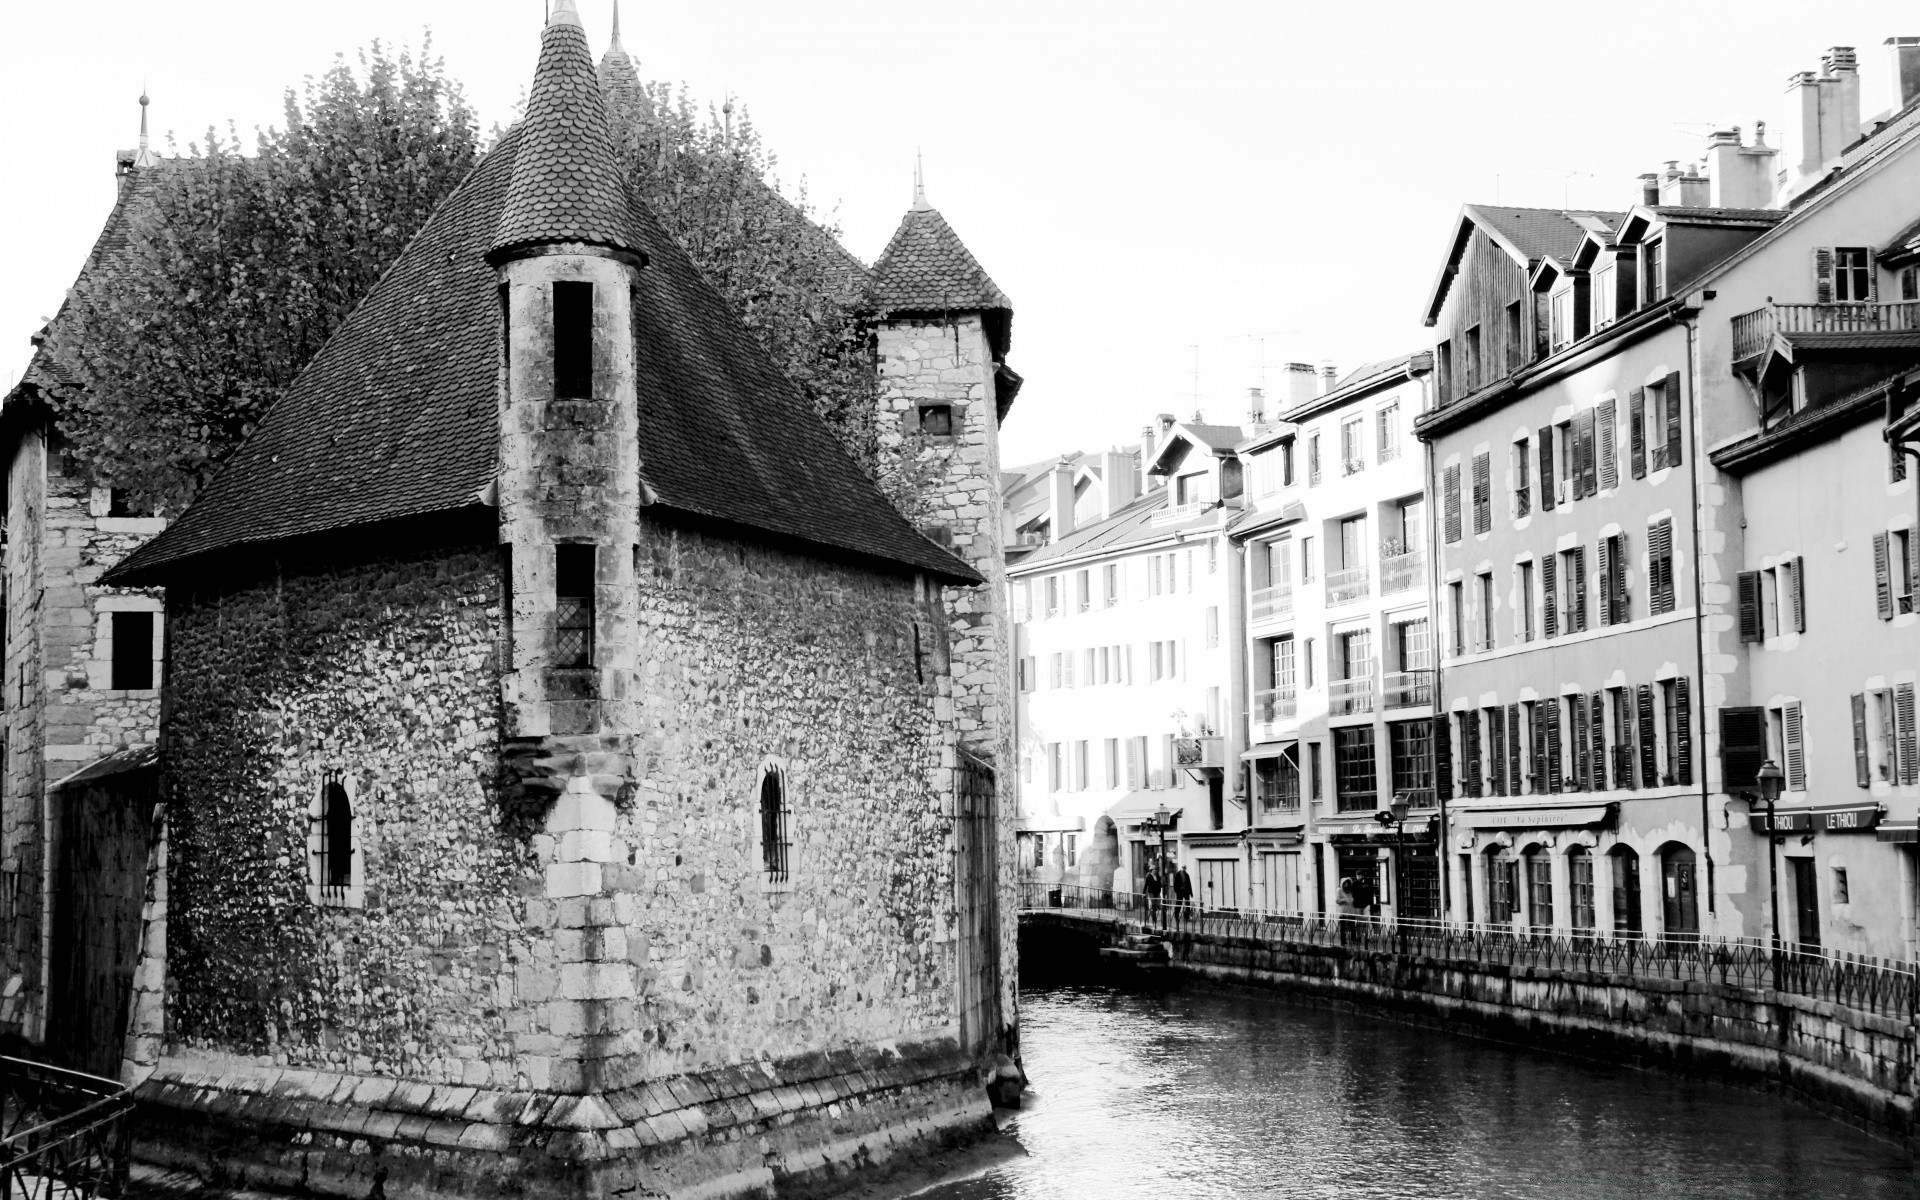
<point>322,891</point>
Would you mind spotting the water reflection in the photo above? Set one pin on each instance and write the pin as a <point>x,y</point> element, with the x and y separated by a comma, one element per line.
<point>1194,1094</point>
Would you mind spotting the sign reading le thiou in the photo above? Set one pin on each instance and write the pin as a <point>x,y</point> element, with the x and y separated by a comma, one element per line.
<point>1848,818</point>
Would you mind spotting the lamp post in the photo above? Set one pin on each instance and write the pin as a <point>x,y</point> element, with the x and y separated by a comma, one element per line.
<point>1769,779</point>
<point>1161,820</point>
<point>1394,816</point>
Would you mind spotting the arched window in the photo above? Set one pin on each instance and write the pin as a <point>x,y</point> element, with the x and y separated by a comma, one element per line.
<point>773,826</point>
<point>1626,892</point>
<point>1503,885</point>
<point>1580,890</point>
<point>1539,888</point>
<point>336,839</point>
<point>1679,891</point>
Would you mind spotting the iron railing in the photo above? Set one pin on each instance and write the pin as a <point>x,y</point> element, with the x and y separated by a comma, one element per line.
<point>1407,689</point>
<point>1753,331</point>
<point>1402,572</point>
<point>1196,753</point>
<point>1345,697</point>
<point>64,1135</point>
<point>1885,987</point>
<point>1270,603</point>
<point>1344,587</point>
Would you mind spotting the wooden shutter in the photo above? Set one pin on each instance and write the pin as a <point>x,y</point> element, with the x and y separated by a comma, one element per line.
<point>1546,466</point>
<point>1823,274</point>
<point>1442,758</point>
<point>1660,566</point>
<point>1497,750</point>
<point>1581,774</point>
<point>1671,394</point>
<point>1603,447</point>
<point>1596,706</point>
<point>1624,773</point>
<point>1752,627</point>
<point>1649,760</point>
<point>1799,594</point>
<point>1549,603</point>
<point>1482,494</point>
<point>1862,763</point>
<point>1792,736</point>
<point>1606,581</point>
<point>1513,747</point>
<point>1577,590</point>
<point>1555,780</point>
<point>1450,496</point>
<point>1637,433</point>
<point>1743,746</point>
<point>1683,731</point>
<point>1586,482</point>
<point>1882,579</point>
<point>1539,733</point>
<point>1909,737</point>
<point>1470,734</point>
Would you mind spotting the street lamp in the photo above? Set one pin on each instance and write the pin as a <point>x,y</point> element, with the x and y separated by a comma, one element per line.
<point>1769,779</point>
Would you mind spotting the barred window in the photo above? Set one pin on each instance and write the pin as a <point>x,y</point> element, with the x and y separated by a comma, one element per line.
<point>573,616</point>
<point>774,837</point>
<point>336,838</point>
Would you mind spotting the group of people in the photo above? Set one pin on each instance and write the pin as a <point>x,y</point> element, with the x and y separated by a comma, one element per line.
<point>1181,885</point>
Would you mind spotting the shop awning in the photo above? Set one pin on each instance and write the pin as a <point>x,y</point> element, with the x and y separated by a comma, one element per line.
<point>1585,816</point>
<point>1905,831</point>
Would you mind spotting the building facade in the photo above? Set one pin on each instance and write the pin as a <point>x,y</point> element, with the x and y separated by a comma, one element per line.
<point>1339,679</point>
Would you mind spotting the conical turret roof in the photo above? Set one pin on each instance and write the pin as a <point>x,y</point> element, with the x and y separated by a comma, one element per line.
<point>567,184</point>
<point>927,268</point>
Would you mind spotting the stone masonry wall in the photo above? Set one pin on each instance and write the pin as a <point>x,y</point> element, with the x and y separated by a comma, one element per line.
<point>25,774</point>
<point>387,674</point>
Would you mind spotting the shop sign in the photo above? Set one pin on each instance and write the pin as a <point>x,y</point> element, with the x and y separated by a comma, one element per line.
<point>1853,818</point>
<point>1538,818</point>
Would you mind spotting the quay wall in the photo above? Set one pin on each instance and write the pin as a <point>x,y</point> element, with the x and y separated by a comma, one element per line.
<point>1855,1066</point>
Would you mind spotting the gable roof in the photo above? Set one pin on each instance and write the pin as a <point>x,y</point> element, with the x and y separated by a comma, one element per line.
<point>397,416</point>
<point>926,268</point>
<point>1526,234</point>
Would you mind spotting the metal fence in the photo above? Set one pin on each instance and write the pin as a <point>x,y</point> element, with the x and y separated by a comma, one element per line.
<point>64,1135</point>
<point>1881,986</point>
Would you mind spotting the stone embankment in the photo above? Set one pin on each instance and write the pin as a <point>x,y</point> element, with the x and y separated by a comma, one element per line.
<point>1855,1065</point>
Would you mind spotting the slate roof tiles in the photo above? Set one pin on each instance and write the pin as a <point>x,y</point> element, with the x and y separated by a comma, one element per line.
<point>926,268</point>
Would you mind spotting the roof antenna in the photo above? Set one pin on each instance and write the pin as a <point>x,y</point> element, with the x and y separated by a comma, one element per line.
<point>919,184</point>
<point>145,157</point>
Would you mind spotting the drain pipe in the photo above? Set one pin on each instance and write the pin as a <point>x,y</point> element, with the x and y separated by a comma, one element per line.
<point>1686,315</point>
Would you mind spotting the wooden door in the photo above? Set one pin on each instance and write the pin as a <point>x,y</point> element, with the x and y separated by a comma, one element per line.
<point>100,883</point>
<point>976,882</point>
<point>1806,904</point>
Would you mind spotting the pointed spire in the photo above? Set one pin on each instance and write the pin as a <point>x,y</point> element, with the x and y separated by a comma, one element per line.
<point>919,186</point>
<point>619,81</point>
<point>144,158</point>
<point>615,44</point>
<point>567,183</point>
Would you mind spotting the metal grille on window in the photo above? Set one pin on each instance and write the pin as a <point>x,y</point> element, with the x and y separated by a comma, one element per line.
<point>336,840</point>
<point>573,606</point>
<point>773,828</point>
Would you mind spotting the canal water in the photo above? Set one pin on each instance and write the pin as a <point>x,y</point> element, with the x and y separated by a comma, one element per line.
<point>1188,1093</point>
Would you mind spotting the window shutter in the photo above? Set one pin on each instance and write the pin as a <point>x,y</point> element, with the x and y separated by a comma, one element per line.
<point>1555,780</point>
<point>1596,706</point>
<point>1583,425</point>
<point>1546,467</point>
<point>1577,591</point>
<point>1603,446</point>
<point>1743,746</point>
<point>1909,738</point>
<point>1539,747</point>
<point>1066,670</point>
<point>1862,765</point>
<point>1660,567</point>
<point>1671,394</point>
<point>1752,629</point>
<point>1649,763</point>
<point>1823,274</point>
<point>1549,595</point>
<point>1799,594</point>
<point>1577,718</point>
<point>1683,731</point>
<point>1873,277</point>
<point>1497,750</point>
<point>1792,734</point>
<point>1882,579</point>
<point>1637,433</point>
<point>1470,734</point>
<point>1513,746</point>
<point>1482,494</point>
<point>1443,758</point>
<point>1450,490</point>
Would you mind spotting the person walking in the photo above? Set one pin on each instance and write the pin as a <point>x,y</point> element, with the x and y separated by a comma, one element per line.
<point>1365,897</point>
<point>1343,907</point>
<point>1182,890</point>
<point>1152,888</point>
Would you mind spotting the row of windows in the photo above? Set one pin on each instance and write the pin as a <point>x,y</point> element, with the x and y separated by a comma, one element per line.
<point>1623,737</point>
<point>1575,459</point>
<point>1886,746</point>
<point>1273,469</point>
<point>1520,888</point>
<point>1286,664</point>
<point>1345,546</point>
<point>1566,599</point>
<point>1090,588</point>
<point>1099,666</point>
<point>1070,766</point>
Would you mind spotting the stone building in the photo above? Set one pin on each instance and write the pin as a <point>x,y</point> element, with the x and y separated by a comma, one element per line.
<point>1339,679</point>
<point>578,775</point>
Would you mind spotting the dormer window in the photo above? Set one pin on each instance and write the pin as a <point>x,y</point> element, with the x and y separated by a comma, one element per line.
<point>1605,293</point>
<point>572,340</point>
<point>1191,489</point>
<point>1560,318</point>
<point>936,420</point>
<point>1654,255</point>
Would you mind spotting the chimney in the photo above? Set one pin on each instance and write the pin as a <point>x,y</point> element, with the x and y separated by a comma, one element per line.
<point>1256,406</point>
<point>1328,377</point>
<point>1801,144</point>
<point>1149,441</point>
<point>1739,176</point>
<point>1121,484</point>
<point>1650,189</point>
<point>1840,100</point>
<point>1060,500</point>
<point>1302,385</point>
<point>1682,189</point>
<point>1903,70</point>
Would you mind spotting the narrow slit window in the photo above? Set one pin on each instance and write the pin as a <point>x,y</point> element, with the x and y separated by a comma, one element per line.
<point>572,341</point>
<point>773,827</point>
<point>573,606</point>
<point>132,650</point>
<point>336,840</point>
<point>936,420</point>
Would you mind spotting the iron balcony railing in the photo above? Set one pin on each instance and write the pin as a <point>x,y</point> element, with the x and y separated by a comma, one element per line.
<point>1273,602</point>
<point>1273,709</point>
<point>1345,697</point>
<point>1885,987</point>
<point>1407,689</point>
<point>1344,587</point>
<point>1402,572</point>
<point>66,1135</point>
<point>1197,753</point>
<point>1753,331</point>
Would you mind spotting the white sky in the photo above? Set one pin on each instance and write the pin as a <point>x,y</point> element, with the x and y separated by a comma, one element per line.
<point>1260,181</point>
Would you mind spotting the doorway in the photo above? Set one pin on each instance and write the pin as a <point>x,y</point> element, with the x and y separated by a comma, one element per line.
<point>1679,892</point>
<point>1806,903</point>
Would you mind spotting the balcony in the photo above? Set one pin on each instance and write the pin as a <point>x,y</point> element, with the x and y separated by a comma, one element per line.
<point>1753,331</point>
<point>1407,689</point>
<point>1200,753</point>
<point>1272,603</point>
<point>1402,572</point>
<point>1348,697</point>
<point>1344,587</point>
